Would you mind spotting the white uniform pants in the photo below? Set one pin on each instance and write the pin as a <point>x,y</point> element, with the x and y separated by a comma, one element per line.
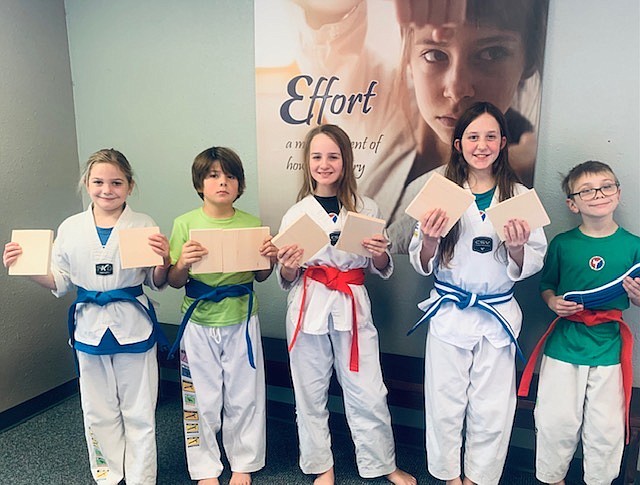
<point>118,393</point>
<point>312,360</point>
<point>471,391</point>
<point>578,401</point>
<point>217,378</point>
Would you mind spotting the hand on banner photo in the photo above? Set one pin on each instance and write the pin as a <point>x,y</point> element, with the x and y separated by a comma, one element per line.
<point>442,15</point>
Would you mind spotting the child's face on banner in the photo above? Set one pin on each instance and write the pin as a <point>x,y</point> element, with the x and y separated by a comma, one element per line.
<point>471,64</point>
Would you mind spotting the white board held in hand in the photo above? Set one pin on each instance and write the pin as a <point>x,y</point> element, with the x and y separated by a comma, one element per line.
<point>357,228</point>
<point>35,259</point>
<point>306,234</point>
<point>526,206</point>
<point>135,251</point>
<point>441,193</point>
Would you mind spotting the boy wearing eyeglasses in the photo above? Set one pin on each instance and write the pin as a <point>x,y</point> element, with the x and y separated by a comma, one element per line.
<point>581,391</point>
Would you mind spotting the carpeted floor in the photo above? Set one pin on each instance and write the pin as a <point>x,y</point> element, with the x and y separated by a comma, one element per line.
<point>50,449</point>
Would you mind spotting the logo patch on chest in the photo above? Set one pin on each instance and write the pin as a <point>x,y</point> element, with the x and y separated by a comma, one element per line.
<point>333,216</point>
<point>482,244</point>
<point>596,263</point>
<point>333,237</point>
<point>104,269</point>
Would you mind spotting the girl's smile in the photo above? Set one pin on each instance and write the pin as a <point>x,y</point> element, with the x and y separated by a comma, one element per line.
<point>108,188</point>
<point>481,143</point>
<point>325,165</point>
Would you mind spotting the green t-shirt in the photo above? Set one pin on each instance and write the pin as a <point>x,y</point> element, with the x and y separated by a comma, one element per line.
<point>230,310</point>
<point>578,262</point>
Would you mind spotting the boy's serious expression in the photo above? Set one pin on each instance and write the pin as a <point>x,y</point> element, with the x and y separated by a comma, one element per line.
<point>219,188</point>
<point>325,164</point>
<point>481,143</point>
<point>107,187</point>
<point>601,206</point>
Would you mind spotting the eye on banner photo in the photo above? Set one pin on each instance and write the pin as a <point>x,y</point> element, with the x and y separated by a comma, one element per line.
<point>395,75</point>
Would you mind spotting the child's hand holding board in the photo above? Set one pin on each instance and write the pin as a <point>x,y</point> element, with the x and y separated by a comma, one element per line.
<point>525,206</point>
<point>441,193</point>
<point>231,250</point>
<point>135,250</point>
<point>304,233</point>
<point>357,228</point>
<point>35,259</point>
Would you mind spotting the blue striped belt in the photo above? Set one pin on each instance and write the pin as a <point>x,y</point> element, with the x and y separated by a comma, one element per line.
<point>596,297</point>
<point>465,299</point>
<point>200,291</point>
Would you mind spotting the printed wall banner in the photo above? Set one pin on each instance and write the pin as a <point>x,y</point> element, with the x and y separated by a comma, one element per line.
<point>395,75</point>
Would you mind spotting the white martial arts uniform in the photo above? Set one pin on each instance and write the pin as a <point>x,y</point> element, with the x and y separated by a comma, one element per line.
<point>324,344</point>
<point>219,379</point>
<point>581,401</point>
<point>469,359</point>
<point>118,391</point>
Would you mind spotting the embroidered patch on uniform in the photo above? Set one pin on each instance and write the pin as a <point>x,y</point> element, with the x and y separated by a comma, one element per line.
<point>101,473</point>
<point>184,370</point>
<point>101,461</point>
<point>183,356</point>
<point>333,216</point>
<point>596,263</point>
<point>188,386</point>
<point>483,215</point>
<point>189,399</point>
<point>104,269</point>
<point>191,428</point>
<point>482,244</point>
<point>191,415</point>
<point>193,441</point>
<point>333,237</point>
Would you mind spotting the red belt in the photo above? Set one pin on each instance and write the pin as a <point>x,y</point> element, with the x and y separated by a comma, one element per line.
<point>591,318</point>
<point>334,279</point>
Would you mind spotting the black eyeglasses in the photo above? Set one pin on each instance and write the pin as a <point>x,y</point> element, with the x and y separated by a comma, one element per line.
<point>590,194</point>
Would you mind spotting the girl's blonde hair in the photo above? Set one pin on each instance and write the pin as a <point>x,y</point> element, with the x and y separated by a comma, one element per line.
<point>107,155</point>
<point>347,187</point>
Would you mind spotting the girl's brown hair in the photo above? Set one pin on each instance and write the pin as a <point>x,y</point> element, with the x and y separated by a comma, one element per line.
<point>347,187</point>
<point>457,169</point>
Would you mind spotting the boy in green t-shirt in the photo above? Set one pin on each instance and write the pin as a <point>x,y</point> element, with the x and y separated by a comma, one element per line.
<point>221,361</point>
<point>581,392</point>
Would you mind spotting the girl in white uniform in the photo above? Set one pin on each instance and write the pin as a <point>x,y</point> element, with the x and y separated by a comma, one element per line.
<point>329,323</point>
<point>115,343</point>
<point>469,357</point>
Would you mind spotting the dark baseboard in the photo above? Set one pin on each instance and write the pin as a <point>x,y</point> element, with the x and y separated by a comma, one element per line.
<point>26,410</point>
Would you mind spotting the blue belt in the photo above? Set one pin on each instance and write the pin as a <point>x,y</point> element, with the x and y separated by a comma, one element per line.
<point>594,299</point>
<point>102,298</point>
<point>201,291</point>
<point>464,299</point>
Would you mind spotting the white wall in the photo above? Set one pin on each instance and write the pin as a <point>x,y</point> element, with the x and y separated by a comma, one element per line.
<point>39,166</point>
<point>591,109</point>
